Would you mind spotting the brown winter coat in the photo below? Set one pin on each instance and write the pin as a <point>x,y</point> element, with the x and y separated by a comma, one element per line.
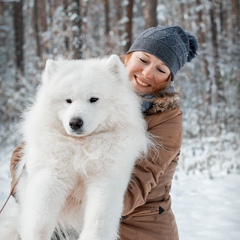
<point>147,213</point>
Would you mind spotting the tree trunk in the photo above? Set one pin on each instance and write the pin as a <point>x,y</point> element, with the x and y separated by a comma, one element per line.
<point>214,96</point>
<point>19,34</point>
<point>73,39</point>
<point>117,30</point>
<point>215,47</point>
<point>202,38</point>
<point>150,13</point>
<point>128,25</point>
<point>84,7</point>
<point>106,15</point>
<point>35,18</point>
<point>40,26</point>
<point>235,20</point>
<point>223,18</point>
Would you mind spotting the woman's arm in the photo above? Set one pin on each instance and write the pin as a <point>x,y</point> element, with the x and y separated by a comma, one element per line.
<point>15,158</point>
<point>147,171</point>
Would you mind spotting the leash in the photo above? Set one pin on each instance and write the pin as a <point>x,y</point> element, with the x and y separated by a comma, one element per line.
<point>12,191</point>
<point>10,194</point>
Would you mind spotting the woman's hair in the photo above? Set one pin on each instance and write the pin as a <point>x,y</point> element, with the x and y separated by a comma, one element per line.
<point>161,86</point>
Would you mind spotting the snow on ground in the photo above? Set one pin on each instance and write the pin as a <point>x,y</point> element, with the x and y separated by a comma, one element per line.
<point>205,208</point>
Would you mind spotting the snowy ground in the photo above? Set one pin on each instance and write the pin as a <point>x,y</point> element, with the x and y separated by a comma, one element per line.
<point>205,209</point>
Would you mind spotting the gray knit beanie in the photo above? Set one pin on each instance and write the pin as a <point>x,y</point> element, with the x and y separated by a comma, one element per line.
<point>171,44</point>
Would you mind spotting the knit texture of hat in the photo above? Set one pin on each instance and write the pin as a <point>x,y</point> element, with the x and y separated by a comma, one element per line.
<point>171,44</point>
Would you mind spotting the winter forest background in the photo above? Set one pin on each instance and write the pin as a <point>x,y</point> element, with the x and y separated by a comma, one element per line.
<point>32,31</point>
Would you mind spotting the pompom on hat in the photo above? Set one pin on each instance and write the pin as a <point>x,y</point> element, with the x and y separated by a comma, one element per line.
<point>171,44</point>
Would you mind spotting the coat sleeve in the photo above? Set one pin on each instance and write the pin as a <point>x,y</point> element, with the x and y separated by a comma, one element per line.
<point>15,158</point>
<point>146,173</point>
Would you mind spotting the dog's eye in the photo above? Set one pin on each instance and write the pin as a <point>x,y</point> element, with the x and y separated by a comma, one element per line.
<point>93,99</point>
<point>69,100</point>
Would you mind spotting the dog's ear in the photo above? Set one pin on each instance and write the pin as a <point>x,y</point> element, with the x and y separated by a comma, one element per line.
<point>117,67</point>
<point>50,69</point>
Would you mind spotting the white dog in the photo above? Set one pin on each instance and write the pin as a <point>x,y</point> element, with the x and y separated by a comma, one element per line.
<point>82,137</point>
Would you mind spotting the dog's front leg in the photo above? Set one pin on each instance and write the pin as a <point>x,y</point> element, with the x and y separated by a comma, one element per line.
<point>103,207</point>
<point>41,204</point>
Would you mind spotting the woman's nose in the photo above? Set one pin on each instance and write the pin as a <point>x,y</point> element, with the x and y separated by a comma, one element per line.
<point>147,72</point>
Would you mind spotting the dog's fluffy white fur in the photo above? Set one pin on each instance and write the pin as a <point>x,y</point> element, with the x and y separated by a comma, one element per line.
<point>82,137</point>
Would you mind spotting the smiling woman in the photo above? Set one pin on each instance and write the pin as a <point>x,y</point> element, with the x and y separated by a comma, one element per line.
<point>152,62</point>
<point>147,73</point>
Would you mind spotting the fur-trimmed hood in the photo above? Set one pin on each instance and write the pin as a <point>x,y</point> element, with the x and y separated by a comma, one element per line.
<point>164,102</point>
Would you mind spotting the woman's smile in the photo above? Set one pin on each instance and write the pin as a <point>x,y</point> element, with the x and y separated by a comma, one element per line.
<point>140,82</point>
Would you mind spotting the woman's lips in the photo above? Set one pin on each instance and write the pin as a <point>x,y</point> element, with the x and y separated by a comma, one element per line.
<point>141,82</point>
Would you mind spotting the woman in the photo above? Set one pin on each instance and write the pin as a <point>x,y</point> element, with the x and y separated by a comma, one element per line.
<point>152,62</point>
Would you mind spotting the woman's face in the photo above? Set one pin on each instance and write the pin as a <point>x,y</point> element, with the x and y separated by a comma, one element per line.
<point>146,72</point>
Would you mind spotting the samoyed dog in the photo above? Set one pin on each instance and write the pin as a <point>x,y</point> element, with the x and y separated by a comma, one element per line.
<point>82,137</point>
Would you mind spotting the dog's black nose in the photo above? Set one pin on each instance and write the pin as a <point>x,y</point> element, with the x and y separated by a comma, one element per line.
<point>76,123</point>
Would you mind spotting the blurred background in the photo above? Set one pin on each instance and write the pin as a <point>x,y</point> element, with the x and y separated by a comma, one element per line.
<point>32,31</point>
<point>206,186</point>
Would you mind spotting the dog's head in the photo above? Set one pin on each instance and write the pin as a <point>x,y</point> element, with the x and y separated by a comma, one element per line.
<point>86,95</point>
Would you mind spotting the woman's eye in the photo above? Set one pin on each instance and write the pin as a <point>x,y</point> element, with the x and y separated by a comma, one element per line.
<point>160,70</point>
<point>69,100</point>
<point>142,60</point>
<point>93,99</point>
